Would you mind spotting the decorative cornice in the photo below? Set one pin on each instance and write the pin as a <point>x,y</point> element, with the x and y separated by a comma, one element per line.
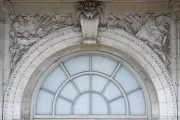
<point>72,1</point>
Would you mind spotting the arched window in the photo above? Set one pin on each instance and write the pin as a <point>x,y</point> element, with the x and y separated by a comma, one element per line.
<point>91,85</point>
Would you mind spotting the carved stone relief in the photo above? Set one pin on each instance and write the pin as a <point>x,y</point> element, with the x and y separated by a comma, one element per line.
<point>131,23</point>
<point>110,34</point>
<point>153,29</point>
<point>89,16</point>
<point>26,30</point>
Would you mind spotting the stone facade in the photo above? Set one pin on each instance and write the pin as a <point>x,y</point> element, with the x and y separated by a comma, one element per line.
<point>50,30</point>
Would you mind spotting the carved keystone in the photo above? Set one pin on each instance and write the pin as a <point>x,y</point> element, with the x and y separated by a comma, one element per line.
<point>89,16</point>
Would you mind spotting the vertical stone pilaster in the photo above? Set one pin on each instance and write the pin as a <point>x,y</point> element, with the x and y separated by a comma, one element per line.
<point>2,30</point>
<point>5,8</point>
<point>175,7</point>
<point>178,65</point>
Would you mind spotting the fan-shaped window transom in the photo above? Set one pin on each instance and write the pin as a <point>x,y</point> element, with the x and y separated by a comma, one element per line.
<point>91,85</point>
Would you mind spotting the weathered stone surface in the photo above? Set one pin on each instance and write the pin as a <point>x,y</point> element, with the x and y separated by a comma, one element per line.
<point>27,30</point>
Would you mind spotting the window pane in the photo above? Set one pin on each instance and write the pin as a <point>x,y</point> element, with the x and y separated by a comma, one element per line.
<point>54,79</point>
<point>126,79</point>
<point>77,64</point>
<point>137,103</point>
<point>99,105</point>
<point>44,102</point>
<point>118,107</point>
<point>112,91</point>
<point>103,64</point>
<point>69,91</point>
<point>63,107</point>
<point>81,105</point>
<point>82,83</point>
<point>98,83</point>
<point>105,99</point>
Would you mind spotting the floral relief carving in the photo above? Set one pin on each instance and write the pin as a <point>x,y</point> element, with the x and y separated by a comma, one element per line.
<point>29,29</point>
<point>153,29</point>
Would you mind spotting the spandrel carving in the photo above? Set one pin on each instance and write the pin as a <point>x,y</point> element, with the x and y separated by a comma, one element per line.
<point>29,29</point>
<point>153,29</point>
<point>156,32</point>
<point>131,23</point>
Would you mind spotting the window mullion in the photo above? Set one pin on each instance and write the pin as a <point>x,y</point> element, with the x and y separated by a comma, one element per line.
<point>133,91</point>
<point>90,94</point>
<point>84,85</point>
<point>76,87</point>
<point>112,100</point>
<point>116,69</point>
<point>49,91</point>
<point>105,87</point>
<point>65,98</point>
<point>65,70</point>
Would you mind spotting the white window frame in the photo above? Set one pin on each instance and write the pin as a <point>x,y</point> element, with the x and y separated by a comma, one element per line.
<point>60,117</point>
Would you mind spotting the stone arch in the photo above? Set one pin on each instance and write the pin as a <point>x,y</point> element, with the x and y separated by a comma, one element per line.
<point>70,36</point>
